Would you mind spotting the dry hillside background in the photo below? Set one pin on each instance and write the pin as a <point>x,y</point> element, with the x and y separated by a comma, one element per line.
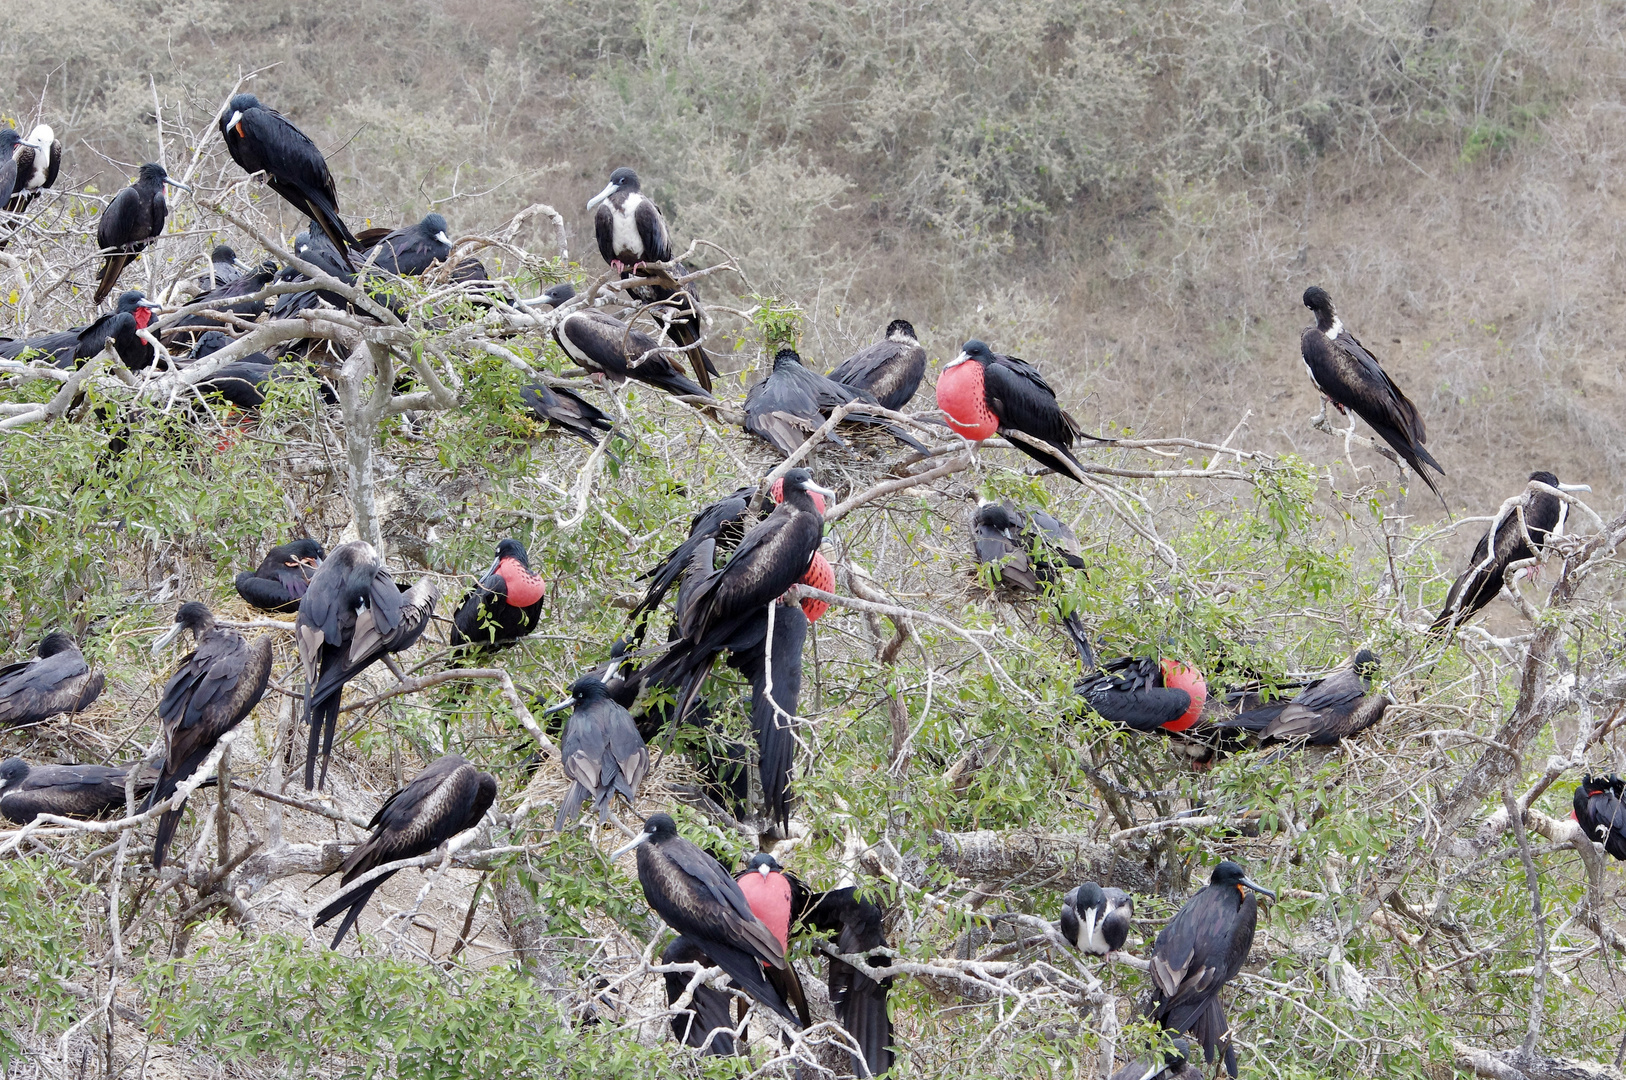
<point>1133,198</point>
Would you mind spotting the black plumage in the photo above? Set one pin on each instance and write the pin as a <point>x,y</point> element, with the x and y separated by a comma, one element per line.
<point>352,614</point>
<point>505,605</point>
<point>602,752</point>
<point>215,687</point>
<point>792,401</point>
<point>262,140</point>
<point>10,144</point>
<point>890,370</point>
<point>1348,375</point>
<point>412,249</point>
<point>1600,811</point>
<point>223,269</point>
<point>722,521</point>
<point>37,160</point>
<point>609,347</point>
<point>1096,919</point>
<point>857,922</point>
<point>1143,693</point>
<point>74,791</point>
<point>1006,394</point>
<point>705,1024</point>
<point>57,680</point>
<point>1325,711</point>
<point>1171,1062</point>
<point>1026,552</point>
<point>246,381</point>
<point>565,409</point>
<point>227,298</point>
<point>696,897</point>
<point>679,310</point>
<point>774,707</point>
<point>628,226</point>
<point>1198,952</point>
<point>130,222</point>
<point>1543,513</point>
<point>279,584</point>
<point>71,348</point>
<point>448,797</point>
<point>314,247</point>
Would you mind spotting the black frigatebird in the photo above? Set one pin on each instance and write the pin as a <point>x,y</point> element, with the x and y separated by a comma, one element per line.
<point>1600,811</point>
<point>860,1001</point>
<point>223,268</point>
<point>131,221</point>
<point>352,614</point>
<point>227,298</point>
<point>1096,919</point>
<point>706,1024</point>
<point>1347,375</point>
<point>982,393</point>
<point>412,249</point>
<point>505,605</point>
<point>216,686</point>
<point>696,897</point>
<point>246,381</point>
<point>889,370</point>
<point>1325,711</point>
<point>263,140</point>
<point>70,348</point>
<point>563,408</point>
<point>10,144</point>
<point>1142,693</point>
<point>1170,1062</point>
<point>283,576</point>
<point>629,227</point>
<point>1198,952</point>
<point>1544,515</point>
<point>1024,552</point>
<point>602,752</point>
<point>448,797</point>
<point>767,889</point>
<point>37,158</point>
<point>74,791</point>
<point>680,312</point>
<point>57,680</point>
<point>313,246</point>
<point>609,347</point>
<point>773,707</point>
<point>792,401</point>
<point>723,521</point>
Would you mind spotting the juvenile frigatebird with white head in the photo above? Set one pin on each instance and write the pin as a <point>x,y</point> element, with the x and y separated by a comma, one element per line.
<point>262,140</point>
<point>1095,919</point>
<point>983,393</point>
<point>133,220</point>
<point>890,370</point>
<point>38,159</point>
<point>629,227</point>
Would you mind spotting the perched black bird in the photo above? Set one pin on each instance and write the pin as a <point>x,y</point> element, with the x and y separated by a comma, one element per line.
<point>314,247</point>
<point>889,370</point>
<point>706,1024</point>
<point>70,348</point>
<point>696,897</point>
<point>1170,1063</point>
<point>1347,375</point>
<point>223,269</point>
<point>74,791</point>
<point>860,1001</point>
<point>412,249</point>
<point>1024,552</point>
<point>982,393</point>
<point>38,159</point>
<point>1095,919</point>
<point>1325,711</point>
<point>263,140</point>
<point>131,221</point>
<point>353,613</point>
<point>1544,515</point>
<point>10,145</point>
<point>609,347</point>
<point>723,521</point>
<point>767,889</point>
<point>792,401</point>
<point>602,752</point>
<point>1198,952</point>
<point>284,575</point>
<point>773,708</point>
<point>629,228</point>
<point>57,681</point>
<point>216,686</point>
<point>1144,693</point>
<point>507,603</point>
<point>448,797</point>
<point>680,312</point>
<point>1600,810</point>
<point>565,409</point>
<point>245,381</point>
<point>227,298</point>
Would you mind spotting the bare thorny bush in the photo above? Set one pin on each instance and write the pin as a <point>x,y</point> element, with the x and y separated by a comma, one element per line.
<point>942,764</point>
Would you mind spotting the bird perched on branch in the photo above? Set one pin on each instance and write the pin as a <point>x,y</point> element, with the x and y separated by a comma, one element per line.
<point>1096,919</point>
<point>602,752</point>
<point>216,686</point>
<point>133,220</point>
<point>776,690</point>
<point>1198,952</point>
<point>696,897</point>
<point>1142,693</point>
<point>1345,373</point>
<point>74,791</point>
<point>1325,711</point>
<point>412,249</point>
<point>37,158</point>
<point>10,144</point>
<point>706,1023</point>
<point>449,797</point>
<point>1544,515</point>
<point>722,521</point>
<point>262,140</point>
<point>767,889</point>
<point>506,604</point>
<point>610,348</point>
<point>1025,552</point>
<point>628,226</point>
<point>228,298</point>
<point>57,680</point>
<point>563,408</point>
<point>279,584</point>
<point>856,921</point>
<point>792,401</point>
<point>353,613</point>
<point>1600,810</point>
<point>890,370</point>
<point>983,393</point>
<point>71,348</point>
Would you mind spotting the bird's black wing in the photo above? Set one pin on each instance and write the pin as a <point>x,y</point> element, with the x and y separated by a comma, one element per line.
<point>706,1022</point>
<point>1060,540</point>
<point>27,689</point>
<point>652,231</point>
<point>782,413</point>
<point>115,230</point>
<point>297,171</point>
<point>1301,716</point>
<point>604,231</point>
<point>773,556</point>
<point>1024,401</point>
<point>1351,376</point>
<point>723,913</point>
<point>265,594</point>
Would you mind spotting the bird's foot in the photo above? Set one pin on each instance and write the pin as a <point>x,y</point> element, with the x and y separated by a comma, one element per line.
<point>617,265</point>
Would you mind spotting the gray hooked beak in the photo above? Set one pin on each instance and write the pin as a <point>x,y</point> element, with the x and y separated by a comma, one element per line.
<point>609,189</point>
<point>174,183</point>
<point>443,238</point>
<point>153,304</point>
<point>1574,487</point>
<point>235,117</point>
<point>962,358</point>
<point>641,838</point>
<point>1257,887</point>
<point>826,492</point>
<point>169,635</point>
<point>559,706</point>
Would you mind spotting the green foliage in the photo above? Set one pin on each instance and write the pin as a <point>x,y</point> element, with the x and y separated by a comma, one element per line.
<point>43,949</point>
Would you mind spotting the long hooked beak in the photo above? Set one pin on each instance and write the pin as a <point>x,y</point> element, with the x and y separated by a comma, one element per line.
<point>153,304</point>
<point>1574,487</point>
<point>443,238</point>
<point>169,635</point>
<point>559,706</point>
<point>609,189</point>
<point>816,489</point>
<point>764,870</point>
<point>235,117</point>
<point>492,569</point>
<point>962,358</point>
<point>174,183</point>
<point>1258,888</point>
<point>641,838</point>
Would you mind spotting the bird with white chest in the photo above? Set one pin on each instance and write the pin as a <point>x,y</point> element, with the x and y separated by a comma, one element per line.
<point>629,227</point>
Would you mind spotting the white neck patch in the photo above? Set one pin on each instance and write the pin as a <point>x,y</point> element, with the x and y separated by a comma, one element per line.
<point>1336,329</point>
<point>624,225</point>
